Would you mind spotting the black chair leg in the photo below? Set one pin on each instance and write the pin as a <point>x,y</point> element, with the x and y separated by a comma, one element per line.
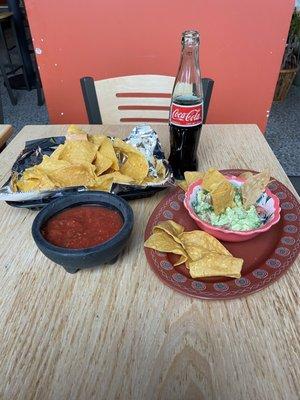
<point>5,47</point>
<point>12,97</point>
<point>26,80</point>
<point>39,90</point>
<point>1,112</point>
<point>40,94</point>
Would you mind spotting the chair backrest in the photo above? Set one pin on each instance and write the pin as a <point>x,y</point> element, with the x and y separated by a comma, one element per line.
<point>132,99</point>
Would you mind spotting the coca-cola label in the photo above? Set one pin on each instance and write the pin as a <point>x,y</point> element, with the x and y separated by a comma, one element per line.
<point>186,115</point>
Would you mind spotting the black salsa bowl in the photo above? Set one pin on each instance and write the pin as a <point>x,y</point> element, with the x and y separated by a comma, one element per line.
<point>74,259</point>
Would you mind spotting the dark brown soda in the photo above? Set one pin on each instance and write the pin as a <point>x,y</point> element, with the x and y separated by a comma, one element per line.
<point>184,143</point>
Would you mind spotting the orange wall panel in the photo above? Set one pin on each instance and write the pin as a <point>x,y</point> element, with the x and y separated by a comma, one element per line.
<point>242,43</point>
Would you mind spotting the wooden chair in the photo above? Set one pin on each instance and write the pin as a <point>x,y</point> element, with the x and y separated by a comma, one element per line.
<point>131,99</point>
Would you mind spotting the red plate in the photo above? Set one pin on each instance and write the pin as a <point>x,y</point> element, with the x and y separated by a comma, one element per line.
<point>266,257</point>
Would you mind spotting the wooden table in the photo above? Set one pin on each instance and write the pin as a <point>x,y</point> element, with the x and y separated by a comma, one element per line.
<point>5,134</point>
<point>119,333</point>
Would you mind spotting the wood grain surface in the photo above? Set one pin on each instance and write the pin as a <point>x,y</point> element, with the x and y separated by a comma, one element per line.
<point>118,333</point>
<point>5,133</point>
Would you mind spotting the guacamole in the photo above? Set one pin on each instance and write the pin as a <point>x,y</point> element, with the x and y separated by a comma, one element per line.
<point>235,218</point>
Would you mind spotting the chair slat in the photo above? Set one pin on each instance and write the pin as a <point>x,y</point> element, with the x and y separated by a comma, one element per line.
<point>136,83</point>
<point>154,101</point>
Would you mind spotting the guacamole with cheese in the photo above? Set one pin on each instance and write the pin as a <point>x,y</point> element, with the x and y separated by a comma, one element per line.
<point>235,218</point>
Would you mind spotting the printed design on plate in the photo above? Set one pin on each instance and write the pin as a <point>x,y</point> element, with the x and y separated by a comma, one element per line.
<point>287,205</point>
<point>242,282</point>
<point>175,205</point>
<point>273,263</point>
<point>181,197</point>
<point>290,217</point>
<point>166,265</point>
<point>265,274</point>
<point>198,285</point>
<point>168,214</point>
<point>290,229</point>
<point>272,186</point>
<point>158,253</point>
<point>221,287</point>
<point>281,195</point>
<point>288,240</point>
<point>282,251</point>
<point>179,278</point>
<point>267,203</point>
<point>260,273</point>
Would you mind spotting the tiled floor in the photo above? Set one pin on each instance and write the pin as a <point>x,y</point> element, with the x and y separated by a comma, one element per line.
<point>283,131</point>
<point>26,112</point>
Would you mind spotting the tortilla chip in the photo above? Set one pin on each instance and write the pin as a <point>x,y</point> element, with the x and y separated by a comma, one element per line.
<point>57,152</point>
<point>135,166</point>
<point>34,179</point>
<point>222,197</point>
<point>254,187</point>
<point>211,179</point>
<point>50,164</point>
<point>96,139</point>
<point>160,169</point>
<point>120,145</point>
<point>215,264</point>
<point>76,133</point>
<point>197,243</point>
<point>150,179</point>
<point>182,184</point>
<point>161,173</point>
<point>107,150</point>
<point>102,163</point>
<point>220,189</point>
<point>135,163</point>
<point>76,152</point>
<point>203,254</point>
<point>103,182</point>
<point>245,175</point>
<point>182,260</point>
<point>161,241</point>
<point>171,228</point>
<point>120,178</point>
<point>192,176</point>
<point>74,175</point>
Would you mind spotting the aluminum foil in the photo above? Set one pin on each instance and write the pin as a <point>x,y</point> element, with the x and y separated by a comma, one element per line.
<point>143,137</point>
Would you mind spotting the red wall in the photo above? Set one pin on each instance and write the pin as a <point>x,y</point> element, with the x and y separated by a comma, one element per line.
<point>242,43</point>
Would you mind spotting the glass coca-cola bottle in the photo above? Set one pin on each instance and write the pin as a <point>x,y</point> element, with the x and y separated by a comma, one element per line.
<point>186,110</point>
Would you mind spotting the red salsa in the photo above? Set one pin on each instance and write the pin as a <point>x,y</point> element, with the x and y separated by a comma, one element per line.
<point>82,227</point>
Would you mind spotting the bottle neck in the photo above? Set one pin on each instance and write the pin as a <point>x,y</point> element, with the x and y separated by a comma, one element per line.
<point>190,52</point>
<point>188,80</point>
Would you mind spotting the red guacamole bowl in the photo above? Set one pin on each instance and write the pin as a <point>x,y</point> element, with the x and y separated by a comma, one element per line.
<point>268,203</point>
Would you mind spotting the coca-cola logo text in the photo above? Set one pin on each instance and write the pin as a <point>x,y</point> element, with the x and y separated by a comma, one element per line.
<point>191,116</point>
<point>186,115</point>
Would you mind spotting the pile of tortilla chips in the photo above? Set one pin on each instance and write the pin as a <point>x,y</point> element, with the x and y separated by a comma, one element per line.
<point>221,190</point>
<point>93,161</point>
<point>203,255</point>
